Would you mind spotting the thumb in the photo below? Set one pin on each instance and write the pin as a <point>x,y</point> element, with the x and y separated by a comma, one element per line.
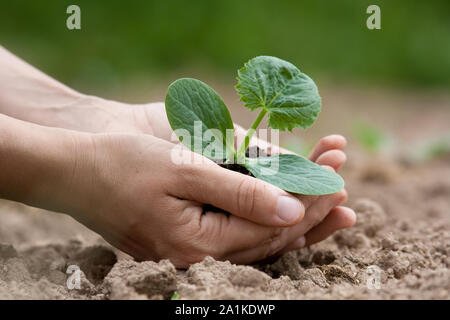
<point>247,197</point>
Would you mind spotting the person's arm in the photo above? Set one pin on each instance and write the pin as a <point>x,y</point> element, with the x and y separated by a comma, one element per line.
<point>127,188</point>
<point>37,164</point>
<point>100,197</point>
<point>30,95</point>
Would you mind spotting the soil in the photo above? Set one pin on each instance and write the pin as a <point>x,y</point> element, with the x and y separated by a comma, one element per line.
<point>402,232</point>
<point>251,152</point>
<point>398,249</point>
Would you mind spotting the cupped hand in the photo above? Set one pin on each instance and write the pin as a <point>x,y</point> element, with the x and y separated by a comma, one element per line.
<point>151,206</point>
<point>156,207</point>
<point>324,216</point>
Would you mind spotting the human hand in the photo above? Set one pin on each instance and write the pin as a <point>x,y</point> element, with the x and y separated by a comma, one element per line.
<point>127,188</point>
<point>47,102</point>
<point>131,192</point>
<point>322,219</point>
<point>323,216</point>
<point>150,207</point>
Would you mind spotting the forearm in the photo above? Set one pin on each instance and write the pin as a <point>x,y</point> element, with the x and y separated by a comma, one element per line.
<point>38,165</point>
<point>30,95</point>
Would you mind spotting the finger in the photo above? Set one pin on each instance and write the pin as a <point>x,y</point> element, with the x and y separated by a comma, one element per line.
<point>339,218</point>
<point>267,249</point>
<point>330,142</point>
<point>317,213</point>
<point>241,195</point>
<point>287,236</point>
<point>298,243</point>
<point>333,158</point>
<point>319,209</point>
<point>226,235</point>
<point>309,200</point>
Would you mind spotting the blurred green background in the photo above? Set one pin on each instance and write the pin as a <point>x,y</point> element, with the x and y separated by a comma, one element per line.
<point>123,41</point>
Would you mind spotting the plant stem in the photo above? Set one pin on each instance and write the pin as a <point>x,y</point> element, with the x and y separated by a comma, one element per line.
<point>244,145</point>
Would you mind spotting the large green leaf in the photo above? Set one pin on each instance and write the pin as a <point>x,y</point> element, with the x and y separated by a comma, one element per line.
<point>190,102</point>
<point>289,96</point>
<point>295,174</point>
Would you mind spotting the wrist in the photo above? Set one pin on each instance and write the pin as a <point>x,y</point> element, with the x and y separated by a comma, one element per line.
<point>28,94</point>
<point>85,113</point>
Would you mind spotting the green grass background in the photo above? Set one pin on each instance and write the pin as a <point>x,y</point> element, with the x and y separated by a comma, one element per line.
<point>124,40</point>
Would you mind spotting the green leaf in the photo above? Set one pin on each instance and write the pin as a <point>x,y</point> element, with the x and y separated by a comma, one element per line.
<point>289,96</point>
<point>194,106</point>
<point>295,174</point>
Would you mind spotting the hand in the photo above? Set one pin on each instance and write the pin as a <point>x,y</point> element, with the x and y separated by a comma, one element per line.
<point>324,212</point>
<point>129,187</point>
<point>323,215</point>
<point>150,207</point>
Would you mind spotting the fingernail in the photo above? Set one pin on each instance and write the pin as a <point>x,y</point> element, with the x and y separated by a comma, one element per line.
<point>299,243</point>
<point>289,209</point>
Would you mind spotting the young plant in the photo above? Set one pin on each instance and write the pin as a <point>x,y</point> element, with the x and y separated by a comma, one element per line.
<point>279,90</point>
<point>371,138</point>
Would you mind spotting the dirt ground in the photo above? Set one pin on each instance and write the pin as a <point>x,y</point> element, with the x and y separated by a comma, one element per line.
<point>399,248</point>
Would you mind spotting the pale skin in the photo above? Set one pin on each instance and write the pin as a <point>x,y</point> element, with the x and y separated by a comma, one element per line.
<point>108,165</point>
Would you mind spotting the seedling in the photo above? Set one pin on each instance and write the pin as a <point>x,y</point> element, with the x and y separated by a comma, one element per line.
<point>278,89</point>
<point>431,149</point>
<point>371,138</point>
